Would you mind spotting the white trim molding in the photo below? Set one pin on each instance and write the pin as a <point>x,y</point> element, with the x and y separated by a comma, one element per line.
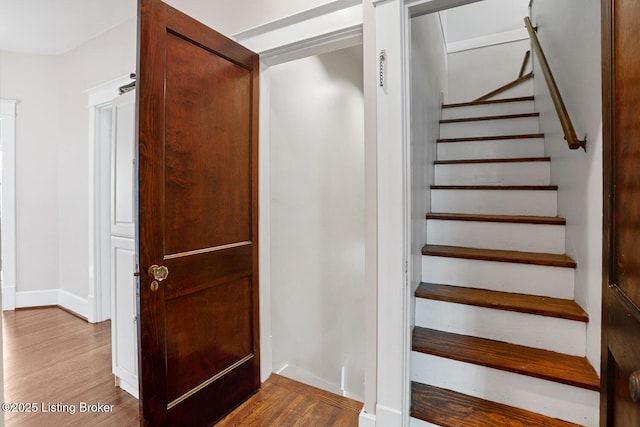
<point>97,96</point>
<point>333,26</point>
<point>8,239</point>
<point>51,297</point>
<point>327,28</point>
<point>488,40</point>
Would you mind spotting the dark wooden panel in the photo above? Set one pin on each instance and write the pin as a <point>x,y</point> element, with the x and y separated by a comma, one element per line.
<point>481,161</point>
<point>214,268</point>
<point>535,258</point>
<point>532,304</point>
<point>625,413</point>
<point>198,196</point>
<point>207,154</point>
<point>448,408</point>
<point>549,365</point>
<point>207,332</point>
<point>496,187</point>
<point>492,138</point>
<point>485,118</point>
<point>627,148</point>
<point>624,356</point>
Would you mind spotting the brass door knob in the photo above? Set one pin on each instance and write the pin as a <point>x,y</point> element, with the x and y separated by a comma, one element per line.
<point>158,273</point>
<point>634,386</point>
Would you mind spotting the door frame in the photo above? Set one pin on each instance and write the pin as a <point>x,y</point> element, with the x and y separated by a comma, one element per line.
<point>8,239</point>
<point>323,29</point>
<point>395,266</point>
<point>99,199</point>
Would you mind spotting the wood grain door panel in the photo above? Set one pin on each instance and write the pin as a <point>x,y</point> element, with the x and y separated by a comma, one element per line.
<point>197,216</point>
<point>207,158</point>
<point>621,285</point>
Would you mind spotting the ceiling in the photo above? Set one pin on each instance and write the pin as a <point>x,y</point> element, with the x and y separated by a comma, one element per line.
<point>52,27</point>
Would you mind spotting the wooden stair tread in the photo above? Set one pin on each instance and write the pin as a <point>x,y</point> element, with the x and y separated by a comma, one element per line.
<point>516,219</point>
<point>531,304</point>
<point>489,102</point>
<point>495,187</point>
<point>491,138</point>
<point>485,118</point>
<point>535,258</point>
<point>533,362</point>
<point>449,408</point>
<point>477,161</point>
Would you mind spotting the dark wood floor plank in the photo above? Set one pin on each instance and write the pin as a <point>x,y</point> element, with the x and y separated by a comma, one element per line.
<point>451,409</point>
<point>51,357</point>
<point>497,187</point>
<point>489,102</point>
<point>482,161</point>
<point>534,258</point>
<point>544,364</point>
<point>531,304</point>
<point>515,219</point>
<point>284,402</point>
<point>487,118</point>
<point>492,138</point>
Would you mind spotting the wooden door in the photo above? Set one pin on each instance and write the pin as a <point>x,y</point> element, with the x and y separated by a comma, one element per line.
<point>197,218</point>
<point>621,293</point>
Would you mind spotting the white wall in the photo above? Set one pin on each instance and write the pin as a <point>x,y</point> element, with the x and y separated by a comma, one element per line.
<point>493,66</point>
<point>105,58</point>
<point>317,220</point>
<point>570,37</point>
<point>428,82</point>
<point>483,18</point>
<point>487,37</point>
<point>52,162</point>
<point>33,80</point>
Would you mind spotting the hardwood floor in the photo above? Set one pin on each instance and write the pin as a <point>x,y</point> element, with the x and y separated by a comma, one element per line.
<point>282,402</point>
<point>54,358</point>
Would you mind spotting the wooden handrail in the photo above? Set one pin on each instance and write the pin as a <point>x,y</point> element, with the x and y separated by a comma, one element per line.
<point>521,79</point>
<point>569,132</point>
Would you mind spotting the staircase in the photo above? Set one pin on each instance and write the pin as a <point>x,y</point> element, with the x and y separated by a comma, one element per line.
<point>498,339</point>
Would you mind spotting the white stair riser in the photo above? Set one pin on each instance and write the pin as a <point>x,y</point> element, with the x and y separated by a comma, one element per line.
<point>497,235</point>
<point>498,202</point>
<point>516,126</point>
<point>488,110</point>
<point>557,282</point>
<point>493,149</point>
<point>523,89</point>
<point>414,422</point>
<point>567,336</point>
<point>548,398</point>
<point>520,173</point>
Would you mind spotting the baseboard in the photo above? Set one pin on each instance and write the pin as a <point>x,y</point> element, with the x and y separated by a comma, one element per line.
<point>130,388</point>
<point>26,299</point>
<point>388,417</point>
<point>8,298</point>
<point>73,303</point>
<point>59,297</point>
<point>366,419</point>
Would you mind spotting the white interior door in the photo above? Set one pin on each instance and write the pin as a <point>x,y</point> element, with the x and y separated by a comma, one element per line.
<point>122,240</point>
